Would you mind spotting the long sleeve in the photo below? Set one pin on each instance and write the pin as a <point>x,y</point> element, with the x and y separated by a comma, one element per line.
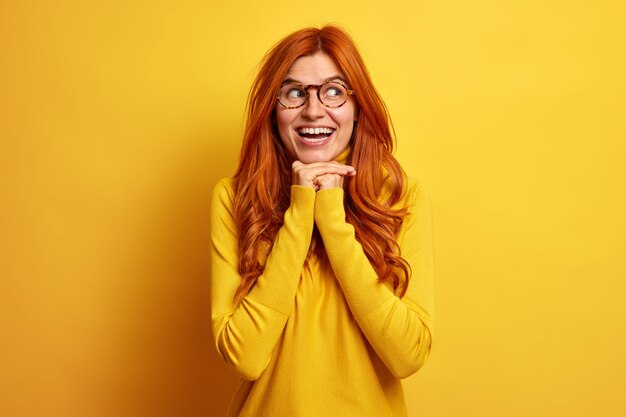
<point>245,334</point>
<point>399,329</point>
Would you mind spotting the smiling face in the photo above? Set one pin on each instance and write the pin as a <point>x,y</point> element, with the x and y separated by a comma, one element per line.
<point>314,132</point>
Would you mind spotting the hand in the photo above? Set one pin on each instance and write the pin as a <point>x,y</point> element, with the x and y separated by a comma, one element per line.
<point>321,175</point>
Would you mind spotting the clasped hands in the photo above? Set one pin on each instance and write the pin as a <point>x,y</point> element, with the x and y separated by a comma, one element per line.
<point>321,175</point>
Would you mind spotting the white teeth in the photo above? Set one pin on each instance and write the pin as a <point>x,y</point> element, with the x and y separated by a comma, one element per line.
<point>308,140</point>
<point>316,130</point>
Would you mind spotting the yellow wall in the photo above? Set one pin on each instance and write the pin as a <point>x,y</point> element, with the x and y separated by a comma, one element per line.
<point>118,117</point>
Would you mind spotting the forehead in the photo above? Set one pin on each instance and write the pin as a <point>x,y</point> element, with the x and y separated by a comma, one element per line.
<point>314,69</point>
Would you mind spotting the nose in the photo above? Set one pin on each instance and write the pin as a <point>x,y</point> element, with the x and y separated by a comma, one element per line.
<point>313,108</point>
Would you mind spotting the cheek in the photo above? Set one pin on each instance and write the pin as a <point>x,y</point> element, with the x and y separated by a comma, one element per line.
<point>283,121</point>
<point>345,118</point>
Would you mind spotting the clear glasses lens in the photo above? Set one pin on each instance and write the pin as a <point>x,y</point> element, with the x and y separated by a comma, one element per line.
<point>331,94</point>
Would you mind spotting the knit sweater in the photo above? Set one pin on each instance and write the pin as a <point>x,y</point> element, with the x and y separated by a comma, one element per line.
<point>330,339</point>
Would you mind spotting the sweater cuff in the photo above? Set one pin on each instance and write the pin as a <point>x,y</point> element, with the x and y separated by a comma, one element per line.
<point>329,207</point>
<point>302,196</point>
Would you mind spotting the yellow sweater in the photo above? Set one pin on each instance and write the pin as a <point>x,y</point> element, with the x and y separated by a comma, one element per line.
<point>329,341</point>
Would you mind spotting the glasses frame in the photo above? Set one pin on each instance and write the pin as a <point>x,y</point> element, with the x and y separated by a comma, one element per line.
<point>318,88</point>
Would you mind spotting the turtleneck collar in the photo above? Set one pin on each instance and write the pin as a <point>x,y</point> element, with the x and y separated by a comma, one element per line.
<point>343,157</point>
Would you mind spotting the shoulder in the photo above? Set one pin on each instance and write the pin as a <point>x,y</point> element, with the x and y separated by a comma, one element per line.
<point>416,192</point>
<point>413,191</point>
<point>417,200</point>
<point>224,187</point>
<point>223,193</point>
<point>414,186</point>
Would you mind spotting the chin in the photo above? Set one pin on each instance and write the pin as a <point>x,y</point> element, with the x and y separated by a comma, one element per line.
<point>311,157</point>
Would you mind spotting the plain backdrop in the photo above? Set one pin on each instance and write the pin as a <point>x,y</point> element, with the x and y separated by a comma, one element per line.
<point>117,118</point>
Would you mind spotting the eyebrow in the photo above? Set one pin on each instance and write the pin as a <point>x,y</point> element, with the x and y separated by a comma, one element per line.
<point>332,78</point>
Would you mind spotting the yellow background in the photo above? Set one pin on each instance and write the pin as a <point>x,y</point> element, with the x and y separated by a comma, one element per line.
<point>118,117</point>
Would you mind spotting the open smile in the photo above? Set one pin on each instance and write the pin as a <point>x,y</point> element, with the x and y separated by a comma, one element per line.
<point>315,136</point>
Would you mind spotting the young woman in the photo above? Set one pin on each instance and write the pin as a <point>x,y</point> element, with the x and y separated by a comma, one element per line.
<point>322,270</point>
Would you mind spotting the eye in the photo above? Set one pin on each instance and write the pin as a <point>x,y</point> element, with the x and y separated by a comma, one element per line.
<point>294,93</point>
<point>334,91</point>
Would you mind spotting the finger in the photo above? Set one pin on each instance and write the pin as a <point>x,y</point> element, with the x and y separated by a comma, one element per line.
<point>315,165</point>
<point>319,182</point>
<point>328,169</point>
<point>305,174</point>
<point>327,181</point>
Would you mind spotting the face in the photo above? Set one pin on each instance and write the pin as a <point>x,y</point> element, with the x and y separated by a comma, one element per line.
<point>295,126</point>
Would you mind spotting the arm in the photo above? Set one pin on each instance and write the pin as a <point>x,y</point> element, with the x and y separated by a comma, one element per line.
<point>399,329</point>
<point>246,334</point>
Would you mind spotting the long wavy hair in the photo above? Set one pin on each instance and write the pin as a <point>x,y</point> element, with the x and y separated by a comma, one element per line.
<point>263,178</point>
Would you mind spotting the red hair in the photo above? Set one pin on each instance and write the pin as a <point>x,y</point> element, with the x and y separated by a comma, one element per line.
<point>263,178</point>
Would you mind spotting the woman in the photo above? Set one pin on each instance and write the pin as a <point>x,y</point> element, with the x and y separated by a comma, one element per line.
<point>322,288</point>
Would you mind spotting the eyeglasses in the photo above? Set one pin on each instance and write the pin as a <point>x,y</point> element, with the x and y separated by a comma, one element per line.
<point>331,94</point>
